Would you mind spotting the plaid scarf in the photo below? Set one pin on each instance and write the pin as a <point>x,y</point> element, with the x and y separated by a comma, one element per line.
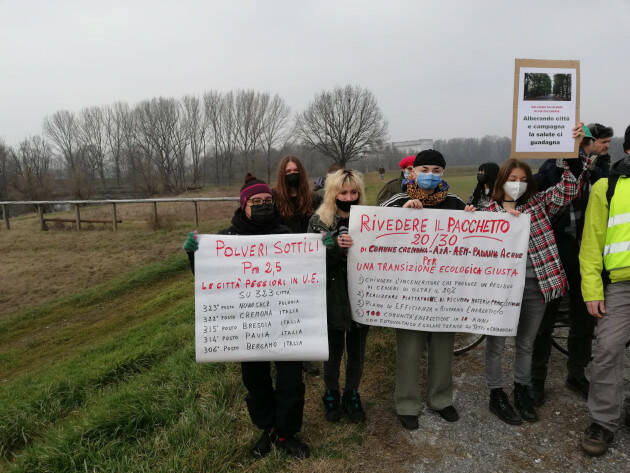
<point>429,197</point>
<point>541,247</point>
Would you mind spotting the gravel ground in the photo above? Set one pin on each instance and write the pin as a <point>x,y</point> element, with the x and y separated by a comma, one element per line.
<point>480,442</point>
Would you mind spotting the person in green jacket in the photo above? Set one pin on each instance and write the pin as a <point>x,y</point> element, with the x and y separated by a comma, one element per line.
<point>606,245</point>
<point>344,188</point>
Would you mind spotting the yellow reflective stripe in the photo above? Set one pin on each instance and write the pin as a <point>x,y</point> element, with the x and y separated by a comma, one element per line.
<point>619,219</point>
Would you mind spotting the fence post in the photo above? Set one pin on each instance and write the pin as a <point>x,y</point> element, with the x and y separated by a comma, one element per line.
<point>40,212</point>
<point>196,215</point>
<point>5,212</point>
<point>78,218</point>
<point>114,217</point>
<point>155,215</point>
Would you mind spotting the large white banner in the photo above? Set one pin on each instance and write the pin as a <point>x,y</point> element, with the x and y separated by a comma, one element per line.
<point>260,298</point>
<point>437,270</point>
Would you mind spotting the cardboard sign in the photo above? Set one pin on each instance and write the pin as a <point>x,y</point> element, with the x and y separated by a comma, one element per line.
<point>260,298</point>
<point>546,108</point>
<point>437,270</point>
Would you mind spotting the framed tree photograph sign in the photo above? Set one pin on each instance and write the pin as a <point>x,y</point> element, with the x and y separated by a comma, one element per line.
<point>546,108</point>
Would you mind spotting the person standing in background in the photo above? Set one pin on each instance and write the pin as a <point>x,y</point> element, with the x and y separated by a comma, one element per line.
<point>295,203</point>
<point>486,175</point>
<point>399,184</point>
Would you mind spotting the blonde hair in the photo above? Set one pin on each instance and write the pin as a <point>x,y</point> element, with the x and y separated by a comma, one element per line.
<point>334,184</point>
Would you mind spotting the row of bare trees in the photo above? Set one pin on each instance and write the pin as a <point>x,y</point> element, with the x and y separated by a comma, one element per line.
<point>169,145</point>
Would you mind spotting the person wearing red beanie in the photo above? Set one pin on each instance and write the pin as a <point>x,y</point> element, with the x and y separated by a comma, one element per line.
<point>398,185</point>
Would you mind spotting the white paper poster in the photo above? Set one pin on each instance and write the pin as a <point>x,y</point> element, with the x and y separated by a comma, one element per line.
<point>437,270</point>
<point>260,298</point>
<point>546,108</point>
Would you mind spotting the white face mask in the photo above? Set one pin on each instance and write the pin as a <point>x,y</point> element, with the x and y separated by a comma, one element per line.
<point>515,189</point>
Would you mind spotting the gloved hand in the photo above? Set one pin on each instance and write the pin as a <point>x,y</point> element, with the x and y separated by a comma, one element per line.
<point>191,244</point>
<point>328,239</point>
<point>575,166</point>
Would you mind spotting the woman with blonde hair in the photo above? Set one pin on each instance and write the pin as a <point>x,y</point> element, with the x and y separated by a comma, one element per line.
<point>343,189</point>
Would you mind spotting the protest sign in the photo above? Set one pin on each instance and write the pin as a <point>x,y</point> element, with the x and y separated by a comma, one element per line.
<point>260,298</point>
<point>546,108</point>
<point>437,270</point>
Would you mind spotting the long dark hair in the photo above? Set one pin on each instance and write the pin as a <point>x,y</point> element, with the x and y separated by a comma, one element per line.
<point>504,172</point>
<point>281,192</point>
<point>490,170</point>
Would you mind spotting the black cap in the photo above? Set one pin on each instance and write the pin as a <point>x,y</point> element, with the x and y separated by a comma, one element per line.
<point>626,139</point>
<point>429,157</point>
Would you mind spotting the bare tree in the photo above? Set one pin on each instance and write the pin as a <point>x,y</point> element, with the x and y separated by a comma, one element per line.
<point>273,129</point>
<point>4,169</point>
<point>342,124</point>
<point>116,117</point>
<point>62,128</point>
<point>250,110</point>
<point>31,163</point>
<point>220,111</point>
<point>92,136</point>
<point>157,134</point>
<point>196,126</point>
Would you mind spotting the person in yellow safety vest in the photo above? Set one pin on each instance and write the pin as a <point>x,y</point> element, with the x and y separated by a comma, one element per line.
<point>606,244</point>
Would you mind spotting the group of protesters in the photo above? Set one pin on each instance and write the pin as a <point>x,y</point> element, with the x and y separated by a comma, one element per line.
<point>576,207</point>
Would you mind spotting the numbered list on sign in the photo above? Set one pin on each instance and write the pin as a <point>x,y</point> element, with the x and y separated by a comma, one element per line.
<point>260,298</point>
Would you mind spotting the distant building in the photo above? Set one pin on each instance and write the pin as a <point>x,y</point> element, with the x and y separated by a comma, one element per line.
<point>413,146</point>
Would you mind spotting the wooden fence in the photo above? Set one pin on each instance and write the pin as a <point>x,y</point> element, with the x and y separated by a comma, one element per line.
<point>40,204</point>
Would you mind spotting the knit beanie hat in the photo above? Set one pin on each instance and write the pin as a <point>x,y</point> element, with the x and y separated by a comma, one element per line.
<point>626,139</point>
<point>252,187</point>
<point>407,161</point>
<point>429,157</point>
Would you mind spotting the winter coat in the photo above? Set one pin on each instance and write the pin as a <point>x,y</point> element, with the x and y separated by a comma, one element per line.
<point>541,248</point>
<point>389,189</point>
<point>337,301</point>
<point>299,223</point>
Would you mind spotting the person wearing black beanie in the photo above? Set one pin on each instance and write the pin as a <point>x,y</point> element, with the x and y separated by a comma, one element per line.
<point>429,190</point>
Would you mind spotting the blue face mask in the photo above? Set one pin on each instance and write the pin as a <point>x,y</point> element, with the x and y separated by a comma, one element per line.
<point>428,180</point>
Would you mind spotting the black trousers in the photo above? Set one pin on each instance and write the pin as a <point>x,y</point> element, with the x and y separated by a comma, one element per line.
<point>354,342</point>
<point>581,323</point>
<point>280,408</point>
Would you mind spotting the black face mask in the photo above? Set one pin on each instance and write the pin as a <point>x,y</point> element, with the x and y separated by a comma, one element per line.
<point>263,214</point>
<point>292,180</point>
<point>481,178</point>
<point>344,205</point>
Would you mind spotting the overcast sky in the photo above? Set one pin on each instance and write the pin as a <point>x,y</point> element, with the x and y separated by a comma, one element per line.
<point>438,69</point>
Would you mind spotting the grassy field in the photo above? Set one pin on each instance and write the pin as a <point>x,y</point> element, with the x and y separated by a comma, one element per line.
<point>97,369</point>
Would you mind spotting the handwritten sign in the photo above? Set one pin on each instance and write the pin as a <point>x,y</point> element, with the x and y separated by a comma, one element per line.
<point>546,108</point>
<point>437,270</point>
<point>260,298</point>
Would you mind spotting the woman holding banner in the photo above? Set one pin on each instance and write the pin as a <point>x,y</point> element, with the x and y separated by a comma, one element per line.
<point>545,279</point>
<point>343,189</point>
<point>295,203</point>
<point>278,412</point>
<point>429,190</point>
